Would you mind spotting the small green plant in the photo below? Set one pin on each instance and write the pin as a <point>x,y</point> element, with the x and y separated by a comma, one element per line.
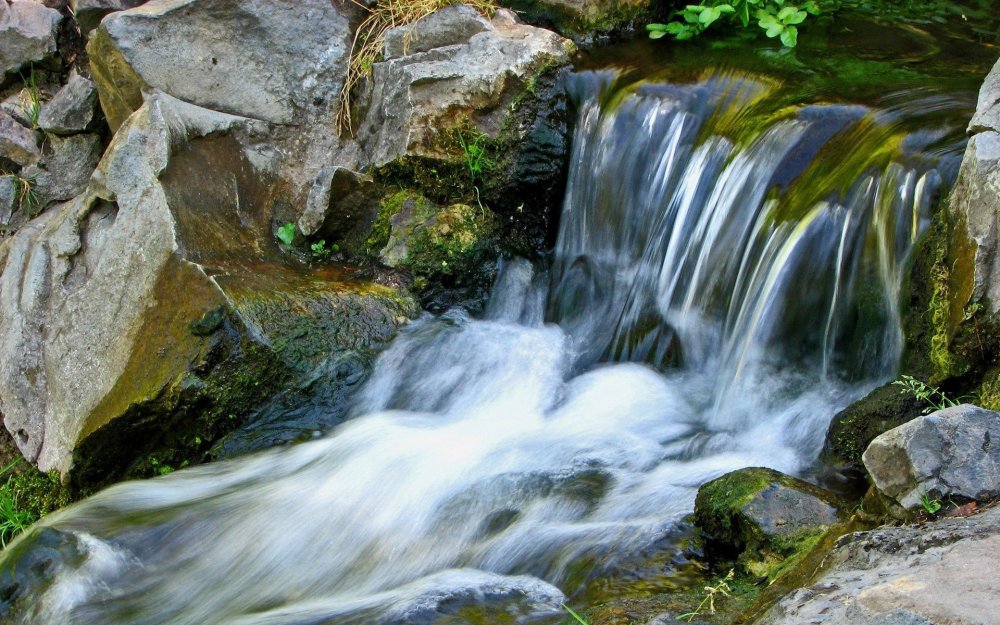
<point>320,250</point>
<point>931,506</point>
<point>720,588</point>
<point>286,233</point>
<point>475,153</point>
<point>159,467</point>
<point>31,99</point>
<point>777,18</point>
<point>13,518</point>
<point>577,617</point>
<point>922,391</point>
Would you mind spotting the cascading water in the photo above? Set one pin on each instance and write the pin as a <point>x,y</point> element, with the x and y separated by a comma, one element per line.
<point>727,276</point>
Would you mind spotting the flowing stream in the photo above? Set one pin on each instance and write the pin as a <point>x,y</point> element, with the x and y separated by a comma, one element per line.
<point>727,276</point>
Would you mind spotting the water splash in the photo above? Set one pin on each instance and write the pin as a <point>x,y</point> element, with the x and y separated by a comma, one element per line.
<point>727,275</point>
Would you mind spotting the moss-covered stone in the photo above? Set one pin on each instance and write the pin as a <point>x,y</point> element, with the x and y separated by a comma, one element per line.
<point>854,427</point>
<point>761,519</point>
<point>445,247</point>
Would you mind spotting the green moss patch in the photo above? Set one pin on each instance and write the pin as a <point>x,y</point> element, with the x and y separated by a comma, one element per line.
<point>761,520</point>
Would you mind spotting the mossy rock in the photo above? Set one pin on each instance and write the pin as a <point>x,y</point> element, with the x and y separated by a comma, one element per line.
<point>762,520</point>
<point>854,427</point>
<point>445,247</point>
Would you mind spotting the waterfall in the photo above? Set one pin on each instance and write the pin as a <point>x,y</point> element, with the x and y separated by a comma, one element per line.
<point>727,276</point>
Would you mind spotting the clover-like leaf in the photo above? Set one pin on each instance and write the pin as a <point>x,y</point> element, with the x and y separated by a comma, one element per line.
<point>790,36</point>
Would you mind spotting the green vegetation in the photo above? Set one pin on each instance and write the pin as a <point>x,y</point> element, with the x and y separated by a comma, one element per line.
<point>26,496</point>
<point>775,17</point>
<point>13,518</point>
<point>932,395</point>
<point>286,233</point>
<point>782,18</point>
<point>931,506</point>
<point>474,153</point>
<point>576,617</point>
<point>31,100</point>
<point>27,196</point>
<point>320,250</point>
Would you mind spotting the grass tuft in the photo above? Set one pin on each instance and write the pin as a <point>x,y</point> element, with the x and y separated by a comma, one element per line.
<point>369,39</point>
<point>31,100</point>
<point>14,518</point>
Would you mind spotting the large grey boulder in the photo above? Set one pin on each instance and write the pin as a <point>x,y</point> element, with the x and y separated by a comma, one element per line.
<point>949,453</point>
<point>71,110</point>
<point>156,304</point>
<point>27,33</point>
<point>939,574</point>
<point>451,68</point>
<point>281,61</point>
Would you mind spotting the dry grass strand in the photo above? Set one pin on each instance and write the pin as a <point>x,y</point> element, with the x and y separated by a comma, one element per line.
<point>369,40</point>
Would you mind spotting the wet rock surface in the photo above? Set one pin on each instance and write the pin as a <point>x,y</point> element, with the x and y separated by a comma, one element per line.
<point>581,19</point>
<point>340,203</point>
<point>854,428</point>
<point>904,576</point>
<point>951,453</point>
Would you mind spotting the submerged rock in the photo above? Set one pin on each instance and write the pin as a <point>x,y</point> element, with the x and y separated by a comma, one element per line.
<point>27,33</point>
<point>762,518</point>
<point>951,453</point>
<point>912,575</point>
<point>150,313</point>
<point>471,596</point>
